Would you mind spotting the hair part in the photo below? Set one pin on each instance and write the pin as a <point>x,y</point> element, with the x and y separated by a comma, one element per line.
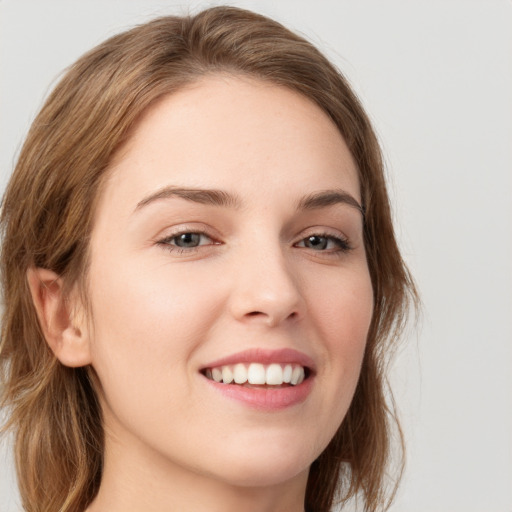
<point>48,214</point>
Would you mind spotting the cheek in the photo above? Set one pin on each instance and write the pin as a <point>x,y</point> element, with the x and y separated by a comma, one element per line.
<point>146,331</point>
<point>343,309</point>
<point>148,322</point>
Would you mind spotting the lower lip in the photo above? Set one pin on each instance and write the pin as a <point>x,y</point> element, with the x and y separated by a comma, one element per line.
<point>265,399</point>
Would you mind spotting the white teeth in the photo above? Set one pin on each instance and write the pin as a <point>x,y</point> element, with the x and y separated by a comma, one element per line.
<point>227,375</point>
<point>217,374</point>
<point>257,374</point>
<point>287,373</point>
<point>297,375</point>
<point>274,375</point>
<point>240,373</point>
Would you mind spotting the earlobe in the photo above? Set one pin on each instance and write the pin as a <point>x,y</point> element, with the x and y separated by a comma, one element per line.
<point>62,322</point>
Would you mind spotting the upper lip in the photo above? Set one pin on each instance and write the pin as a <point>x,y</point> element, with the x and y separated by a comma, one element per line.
<point>265,356</point>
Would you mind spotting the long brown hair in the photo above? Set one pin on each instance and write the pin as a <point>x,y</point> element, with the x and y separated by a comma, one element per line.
<point>46,222</point>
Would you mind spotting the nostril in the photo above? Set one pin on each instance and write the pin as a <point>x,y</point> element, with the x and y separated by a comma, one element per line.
<point>255,314</point>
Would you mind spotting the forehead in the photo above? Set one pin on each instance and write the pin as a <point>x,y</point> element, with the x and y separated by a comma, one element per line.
<point>233,132</point>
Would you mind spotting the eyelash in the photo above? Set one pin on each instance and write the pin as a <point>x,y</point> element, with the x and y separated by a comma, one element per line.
<point>342,244</point>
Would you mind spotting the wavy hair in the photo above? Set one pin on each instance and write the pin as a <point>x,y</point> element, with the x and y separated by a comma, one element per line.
<point>46,222</point>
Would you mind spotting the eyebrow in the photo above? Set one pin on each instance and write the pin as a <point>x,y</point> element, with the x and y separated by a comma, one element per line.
<point>213,197</point>
<point>327,198</point>
<point>196,195</point>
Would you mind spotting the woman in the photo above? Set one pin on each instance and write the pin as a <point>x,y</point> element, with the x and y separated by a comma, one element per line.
<point>201,280</point>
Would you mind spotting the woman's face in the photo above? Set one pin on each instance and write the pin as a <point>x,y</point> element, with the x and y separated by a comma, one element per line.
<point>228,243</point>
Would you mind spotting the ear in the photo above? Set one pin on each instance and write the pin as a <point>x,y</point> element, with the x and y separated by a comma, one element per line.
<point>62,321</point>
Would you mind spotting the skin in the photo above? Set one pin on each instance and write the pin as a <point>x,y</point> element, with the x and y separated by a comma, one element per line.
<point>159,313</point>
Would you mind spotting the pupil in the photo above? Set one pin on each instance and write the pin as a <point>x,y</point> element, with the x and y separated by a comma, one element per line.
<point>316,242</point>
<point>188,240</point>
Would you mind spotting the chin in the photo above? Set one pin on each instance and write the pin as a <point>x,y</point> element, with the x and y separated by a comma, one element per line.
<point>268,474</point>
<point>265,466</point>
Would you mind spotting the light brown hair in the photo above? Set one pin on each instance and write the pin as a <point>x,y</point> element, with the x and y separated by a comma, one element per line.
<point>46,222</point>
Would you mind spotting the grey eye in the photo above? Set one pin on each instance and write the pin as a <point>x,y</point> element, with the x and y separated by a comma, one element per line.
<point>187,240</point>
<point>319,243</point>
<point>325,243</point>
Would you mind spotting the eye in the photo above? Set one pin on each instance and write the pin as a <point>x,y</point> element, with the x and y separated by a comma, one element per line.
<point>187,240</point>
<point>324,243</point>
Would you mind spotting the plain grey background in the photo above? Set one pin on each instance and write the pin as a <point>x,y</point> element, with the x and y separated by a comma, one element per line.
<point>436,78</point>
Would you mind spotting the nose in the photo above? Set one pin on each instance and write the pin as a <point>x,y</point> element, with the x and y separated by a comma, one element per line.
<point>266,289</point>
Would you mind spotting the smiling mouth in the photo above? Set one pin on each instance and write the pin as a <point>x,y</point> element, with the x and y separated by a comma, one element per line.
<point>273,375</point>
